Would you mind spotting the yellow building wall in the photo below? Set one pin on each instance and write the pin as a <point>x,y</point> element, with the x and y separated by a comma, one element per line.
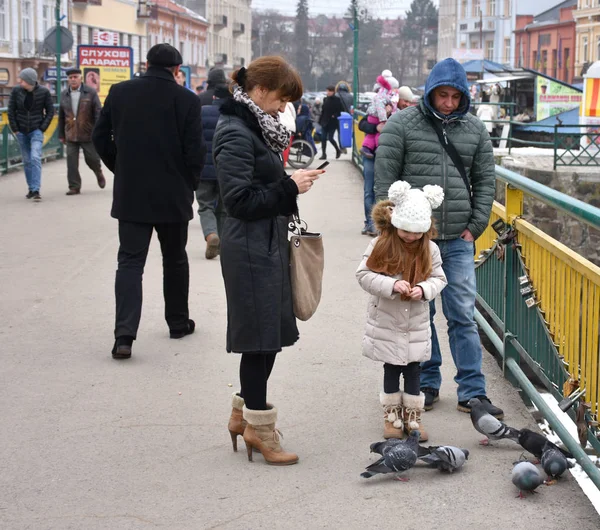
<point>112,15</point>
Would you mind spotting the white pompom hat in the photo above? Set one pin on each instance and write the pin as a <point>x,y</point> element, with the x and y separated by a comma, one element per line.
<point>412,207</point>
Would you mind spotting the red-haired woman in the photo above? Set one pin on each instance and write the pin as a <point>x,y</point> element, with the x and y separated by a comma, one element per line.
<point>258,197</point>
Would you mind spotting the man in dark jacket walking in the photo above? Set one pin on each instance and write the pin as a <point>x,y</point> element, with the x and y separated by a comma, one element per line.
<point>332,108</point>
<point>150,136</point>
<point>410,149</point>
<point>216,77</point>
<point>30,111</point>
<point>79,111</point>
<point>210,206</point>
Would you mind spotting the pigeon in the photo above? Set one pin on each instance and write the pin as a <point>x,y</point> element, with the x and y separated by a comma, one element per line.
<point>398,458</point>
<point>535,443</point>
<point>383,447</point>
<point>553,462</point>
<point>526,477</point>
<point>445,457</point>
<point>491,427</point>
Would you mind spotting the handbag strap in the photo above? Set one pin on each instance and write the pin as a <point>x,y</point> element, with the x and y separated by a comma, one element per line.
<point>453,154</point>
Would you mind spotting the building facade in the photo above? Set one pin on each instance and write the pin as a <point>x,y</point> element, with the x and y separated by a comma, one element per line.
<point>229,39</point>
<point>587,35</point>
<point>183,28</point>
<point>23,26</point>
<point>447,25</point>
<point>125,20</point>
<point>546,42</point>
<point>487,25</point>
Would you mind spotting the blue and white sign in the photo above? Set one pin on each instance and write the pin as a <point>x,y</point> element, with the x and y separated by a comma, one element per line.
<point>50,74</point>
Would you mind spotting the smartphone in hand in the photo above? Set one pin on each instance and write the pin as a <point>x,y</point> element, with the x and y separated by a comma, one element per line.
<point>323,165</point>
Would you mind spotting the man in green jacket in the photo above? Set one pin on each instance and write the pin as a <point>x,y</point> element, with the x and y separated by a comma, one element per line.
<point>410,149</point>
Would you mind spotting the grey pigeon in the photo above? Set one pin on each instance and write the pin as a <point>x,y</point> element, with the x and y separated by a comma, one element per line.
<point>489,426</point>
<point>526,477</point>
<point>553,461</point>
<point>445,457</point>
<point>383,447</point>
<point>535,443</point>
<point>400,457</point>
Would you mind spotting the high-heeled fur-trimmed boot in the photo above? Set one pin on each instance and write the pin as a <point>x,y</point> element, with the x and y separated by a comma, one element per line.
<point>261,434</point>
<point>413,406</point>
<point>393,425</point>
<point>237,424</point>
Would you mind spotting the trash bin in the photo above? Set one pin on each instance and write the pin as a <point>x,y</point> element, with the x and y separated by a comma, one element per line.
<point>345,121</point>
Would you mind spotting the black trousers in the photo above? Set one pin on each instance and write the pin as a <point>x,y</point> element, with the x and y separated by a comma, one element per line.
<point>328,134</point>
<point>92,159</point>
<point>134,241</point>
<point>412,375</point>
<point>255,369</point>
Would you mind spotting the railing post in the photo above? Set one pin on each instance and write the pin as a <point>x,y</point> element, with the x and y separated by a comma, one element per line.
<point>5,133</point>
<point>514,203</point>
<point>555,144</point>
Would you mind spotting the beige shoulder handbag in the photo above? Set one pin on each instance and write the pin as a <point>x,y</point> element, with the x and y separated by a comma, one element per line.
<point>306,268</point>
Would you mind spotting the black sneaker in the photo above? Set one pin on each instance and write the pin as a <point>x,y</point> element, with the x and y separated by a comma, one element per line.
<point>36,196</point>
<point>180,333</point>
<point>431,396</point>
<point>464,406</point>
<point>29,195</point>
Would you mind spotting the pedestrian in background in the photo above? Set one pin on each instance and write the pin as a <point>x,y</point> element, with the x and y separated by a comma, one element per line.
<point>259,198</point>
<point>78,113</point>
<point>30,111</point>
<point>401,269</point>
<point>210,205</point>
<point>150,136</point>
<point>332,108</point>
<point>216,77</point>
<point>413,147</point>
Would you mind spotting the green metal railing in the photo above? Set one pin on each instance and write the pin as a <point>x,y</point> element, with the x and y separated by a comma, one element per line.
<point>10,152</point>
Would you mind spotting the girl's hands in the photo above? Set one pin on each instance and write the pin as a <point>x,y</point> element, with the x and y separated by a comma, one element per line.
<point>402,287</point>
<point>304,178</point>
<point>416,293</point>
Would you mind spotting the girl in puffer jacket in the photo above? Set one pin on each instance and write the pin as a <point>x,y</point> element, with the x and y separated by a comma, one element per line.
<point>380,109</point>
<point>402,271</point>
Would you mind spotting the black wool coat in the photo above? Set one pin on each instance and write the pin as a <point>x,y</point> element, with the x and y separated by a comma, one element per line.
<point>258,197</point>
<point>149,135</point>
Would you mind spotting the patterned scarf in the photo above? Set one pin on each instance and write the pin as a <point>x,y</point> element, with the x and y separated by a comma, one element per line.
<point>274,133</point>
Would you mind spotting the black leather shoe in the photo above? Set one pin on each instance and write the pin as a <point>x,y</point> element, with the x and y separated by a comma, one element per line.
<point>464,406</point>
<point>431,396</point>
<point>122,348</point>
<point>180,333</point>
<point>323,157</point>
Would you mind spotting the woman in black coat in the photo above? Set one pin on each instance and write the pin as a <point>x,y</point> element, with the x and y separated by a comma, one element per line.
<point>258,197</point>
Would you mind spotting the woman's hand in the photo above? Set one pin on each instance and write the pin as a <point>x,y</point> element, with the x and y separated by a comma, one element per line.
<point>304,178</point>
<point>416,293</point>
<point>402,287</point>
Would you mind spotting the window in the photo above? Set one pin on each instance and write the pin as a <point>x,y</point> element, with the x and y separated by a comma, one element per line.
<point>463,9</point>
<point>46,17</point>
<point>566,60</point>
<point>598,49</point>
<point>534,60</point>
<point>27,19</point>
<point>476,8</point>
<point>584,48</point>
<point>3,33</point>
<point>554,63</point>
<point>182,50</point>
<point>545,39</point>
<point>507,8</point>
<point>544,61</point>
<point>507,50</point>
<point>464,27</point>
<point>489,50</point>
<point>491,8</point>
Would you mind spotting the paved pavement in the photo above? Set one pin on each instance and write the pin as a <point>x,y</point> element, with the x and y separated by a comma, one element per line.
<point>92,443</point>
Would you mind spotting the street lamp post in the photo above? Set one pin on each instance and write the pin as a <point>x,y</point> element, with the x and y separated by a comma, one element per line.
<point>355,57</point>
<point>58,51</point>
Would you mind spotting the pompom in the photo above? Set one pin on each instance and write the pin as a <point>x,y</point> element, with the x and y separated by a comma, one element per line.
<point>398,424</point>
<point>386,73</point>
<point>391,417</point>
<point>393,82</point>
<point>434,194</point>
<point>398,191</point>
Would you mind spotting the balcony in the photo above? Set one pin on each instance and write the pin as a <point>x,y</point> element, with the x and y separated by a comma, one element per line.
<point>220,21</point>
<point>27,48</point>
<point>220,58</point>
<point>238,29</point>
<point>34,49</point>
<point>84,3</point>
<point>147,9</point>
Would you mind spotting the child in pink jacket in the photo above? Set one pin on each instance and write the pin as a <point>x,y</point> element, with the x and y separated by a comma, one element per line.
<point>378,112</point>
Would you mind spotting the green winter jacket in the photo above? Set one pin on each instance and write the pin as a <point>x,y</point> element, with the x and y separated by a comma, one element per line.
<point>409,149</point>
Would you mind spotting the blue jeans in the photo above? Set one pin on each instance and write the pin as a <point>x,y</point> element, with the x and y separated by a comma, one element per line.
<point>458,304</point>
<point>369,176</point>
<point>31,151</point>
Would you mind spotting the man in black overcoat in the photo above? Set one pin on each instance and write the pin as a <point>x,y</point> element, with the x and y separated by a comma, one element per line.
<point>150,136</point>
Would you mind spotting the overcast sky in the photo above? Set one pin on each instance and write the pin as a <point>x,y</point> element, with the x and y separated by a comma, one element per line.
<point>379,8</point>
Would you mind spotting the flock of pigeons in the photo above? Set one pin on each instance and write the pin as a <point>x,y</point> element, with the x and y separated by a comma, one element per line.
<point>400,455</point>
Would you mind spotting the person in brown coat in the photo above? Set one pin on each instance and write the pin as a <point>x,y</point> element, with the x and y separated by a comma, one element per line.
<point>79,111</point>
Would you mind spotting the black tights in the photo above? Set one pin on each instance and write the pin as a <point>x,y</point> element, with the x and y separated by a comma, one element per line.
<point>412,375</point>
<point>255,369</point>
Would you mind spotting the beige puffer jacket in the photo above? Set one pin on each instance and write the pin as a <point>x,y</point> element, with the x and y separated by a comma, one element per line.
<point>398,331</point>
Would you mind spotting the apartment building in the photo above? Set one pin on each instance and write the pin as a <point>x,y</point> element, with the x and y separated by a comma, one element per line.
<point>587,35</point>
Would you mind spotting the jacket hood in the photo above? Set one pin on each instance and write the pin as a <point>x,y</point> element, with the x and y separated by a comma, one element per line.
<point>343,87</point>
<point>448,72</point>
<point>384,83</point>
<point>216,77</point>
<point>222,92</point>
<point>304,110</point>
